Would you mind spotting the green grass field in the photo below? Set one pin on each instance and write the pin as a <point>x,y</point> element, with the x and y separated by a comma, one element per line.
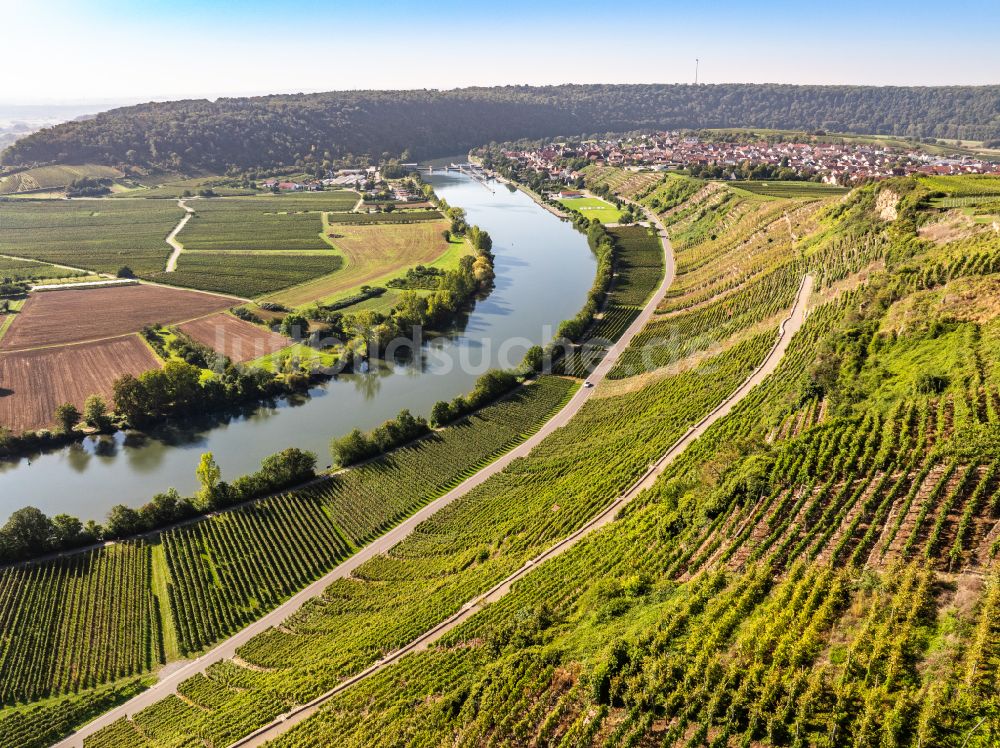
<point>98,235</point>
<point>593,207</point>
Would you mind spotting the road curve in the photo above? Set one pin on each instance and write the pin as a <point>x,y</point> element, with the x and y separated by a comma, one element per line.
<point>227,649</point>
<point>789,326</point>
<point>172,236</point>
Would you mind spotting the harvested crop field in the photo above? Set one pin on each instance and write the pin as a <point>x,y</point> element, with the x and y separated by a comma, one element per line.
<point>238,340</point>
<point>60,317</point>
<point>34,383</point>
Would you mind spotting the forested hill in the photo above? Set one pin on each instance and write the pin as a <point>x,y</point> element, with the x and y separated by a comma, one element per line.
<point>310,128</point>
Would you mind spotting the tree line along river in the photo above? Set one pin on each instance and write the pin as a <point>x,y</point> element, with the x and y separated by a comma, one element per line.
<point>544,269</point>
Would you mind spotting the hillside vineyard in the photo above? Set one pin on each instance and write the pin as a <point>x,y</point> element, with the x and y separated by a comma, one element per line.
<point>816,567</point>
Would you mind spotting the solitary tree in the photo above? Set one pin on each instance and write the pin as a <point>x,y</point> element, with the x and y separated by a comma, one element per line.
<point>68,532</point>
<point>27,533</point>
<point>95,412</point>
<point>131,398</point>
<point>123,521</point>
<point>441,413</point>
<point>209,474</point>
<point>67,416</point>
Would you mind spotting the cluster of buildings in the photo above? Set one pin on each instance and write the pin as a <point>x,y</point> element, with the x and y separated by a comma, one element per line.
<point>351,178</point>
<point>362,179</point>
<point>835,163</point>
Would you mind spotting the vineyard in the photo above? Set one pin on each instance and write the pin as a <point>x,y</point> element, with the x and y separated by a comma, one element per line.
<point>18,270</point>
<point>41,725</point>
<point>638,267</point>
<point>791,189</point>
<point>463,548</point>
<point>228,569</point>
<point>806,574</point>
<point>977,186</point>
<point>96,235</point>
<point>247,274</point>
<point>813,571</point>
<point>241,224</point>
<point>72,624</point>
<point>398,216</point>
<point>817,569</point>
<point>739,262</point>
<point>628,184</point>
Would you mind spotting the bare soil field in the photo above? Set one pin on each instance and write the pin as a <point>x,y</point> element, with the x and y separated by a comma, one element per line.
<point>34,383</point>
<point>240,341</point>
<point>61,317</point>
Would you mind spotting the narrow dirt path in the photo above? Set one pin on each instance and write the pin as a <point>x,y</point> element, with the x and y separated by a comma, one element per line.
<point>172,236</point>
<point>786,331</point>
<point>227,649</point>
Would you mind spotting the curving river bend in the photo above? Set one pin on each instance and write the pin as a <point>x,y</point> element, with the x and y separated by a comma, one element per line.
<point>544,269</point>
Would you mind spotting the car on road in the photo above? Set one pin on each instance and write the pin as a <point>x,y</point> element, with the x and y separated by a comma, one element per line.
<point>588,384</point>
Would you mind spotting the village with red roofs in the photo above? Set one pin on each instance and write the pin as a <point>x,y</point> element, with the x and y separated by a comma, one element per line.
<point>840,163</point>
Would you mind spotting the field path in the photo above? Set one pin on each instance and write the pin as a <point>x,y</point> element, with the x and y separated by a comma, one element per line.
<point>227,649</point>
<point>172,236</point>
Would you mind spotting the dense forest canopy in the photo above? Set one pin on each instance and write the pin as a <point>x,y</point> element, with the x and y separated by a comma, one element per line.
<point>317,129</point>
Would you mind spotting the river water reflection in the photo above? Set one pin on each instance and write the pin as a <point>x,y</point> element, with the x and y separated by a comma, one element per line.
<point>543,272</point>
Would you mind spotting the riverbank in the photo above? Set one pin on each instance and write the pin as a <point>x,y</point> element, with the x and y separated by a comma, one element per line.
<point>89,477</point>
<point>382,544</point>
<point>538,199</point>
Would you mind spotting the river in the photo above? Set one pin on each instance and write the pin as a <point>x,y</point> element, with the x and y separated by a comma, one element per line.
<point>544,269</point>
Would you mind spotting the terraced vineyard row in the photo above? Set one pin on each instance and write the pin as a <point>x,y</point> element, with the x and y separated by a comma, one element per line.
<point>770,244</point>
<point>665,341</point>
<point>806,190</point>
<point>629,184</point>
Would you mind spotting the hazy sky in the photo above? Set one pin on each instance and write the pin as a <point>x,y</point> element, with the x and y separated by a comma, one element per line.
<point>66,51</point>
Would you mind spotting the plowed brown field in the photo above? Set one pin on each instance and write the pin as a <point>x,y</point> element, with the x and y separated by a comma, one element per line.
<point>59,317</point>
<point>241,341</point>
<point>34,383</point>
